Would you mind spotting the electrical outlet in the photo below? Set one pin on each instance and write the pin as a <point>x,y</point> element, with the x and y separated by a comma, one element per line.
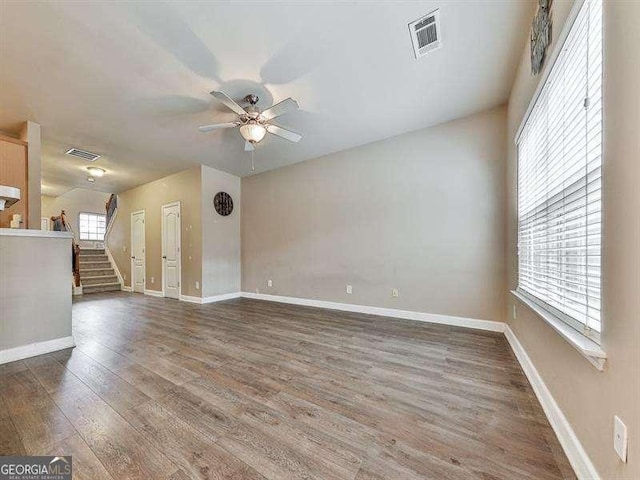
<point>124,248</point>
<point>394,292</point>
<point>620,438</point>
<point>153,280</point>
<point>349,289</point>
<point>197,285</point>
<point>269,283</point>
<point>515,312</point>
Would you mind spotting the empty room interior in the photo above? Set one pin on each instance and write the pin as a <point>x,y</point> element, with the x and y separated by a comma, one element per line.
<point>282,240</point>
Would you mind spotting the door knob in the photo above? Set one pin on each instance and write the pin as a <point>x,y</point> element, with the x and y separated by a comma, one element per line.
<point>164,256</point>
<point>132,257</point>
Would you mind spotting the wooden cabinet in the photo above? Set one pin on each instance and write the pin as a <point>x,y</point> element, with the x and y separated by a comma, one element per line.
<point>14,173</point>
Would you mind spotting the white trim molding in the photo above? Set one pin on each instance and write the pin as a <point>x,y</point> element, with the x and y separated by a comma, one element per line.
<point>35,349</point>
<point>489,325</point>
<point>212,299</point>
<point>124,288</point>
<point>578,458</point>
<point>153,293</point>
<point>588,348</point>
<point>23,232</point>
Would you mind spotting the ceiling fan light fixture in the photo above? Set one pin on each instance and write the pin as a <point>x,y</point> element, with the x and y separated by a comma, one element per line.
<point>253,131</point>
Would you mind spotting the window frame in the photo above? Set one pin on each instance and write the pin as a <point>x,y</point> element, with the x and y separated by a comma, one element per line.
<point>85,239</point>
<point>587,341</point>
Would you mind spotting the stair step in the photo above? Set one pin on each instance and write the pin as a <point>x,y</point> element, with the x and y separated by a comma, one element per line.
<point>92,265</point>
<point>91,251</point>
<point>101,287</point>
<point>93,258</point>
<point>98,280</point>
<point>96,272</point>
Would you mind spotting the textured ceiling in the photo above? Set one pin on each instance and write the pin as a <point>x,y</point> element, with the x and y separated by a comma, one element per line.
<point>130,80</point>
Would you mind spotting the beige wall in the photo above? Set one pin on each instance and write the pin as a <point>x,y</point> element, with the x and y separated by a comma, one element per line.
<point>220,235</point>
<point>30,133</point>
<point>73,203</point>
<point>35,288</point>
<point>422,212</point>
<point>183,186</point>
<point>589,398</point>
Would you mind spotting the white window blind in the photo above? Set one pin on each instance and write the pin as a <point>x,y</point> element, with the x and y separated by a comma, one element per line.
<point>92,226</point>
<point>559,182</point>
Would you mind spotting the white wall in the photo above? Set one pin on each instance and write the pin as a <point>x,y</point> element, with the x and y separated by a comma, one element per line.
<point>35,288</point>
<point>73,203</point>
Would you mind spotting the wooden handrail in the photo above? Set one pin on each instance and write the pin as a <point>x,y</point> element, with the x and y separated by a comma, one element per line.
<point>75,248</point>
<point>110,207</point>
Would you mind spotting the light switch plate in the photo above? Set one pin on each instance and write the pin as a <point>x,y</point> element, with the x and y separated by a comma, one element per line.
<point>620,438</point>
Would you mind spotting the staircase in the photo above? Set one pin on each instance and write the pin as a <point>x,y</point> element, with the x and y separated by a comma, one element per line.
<point>96,272</point>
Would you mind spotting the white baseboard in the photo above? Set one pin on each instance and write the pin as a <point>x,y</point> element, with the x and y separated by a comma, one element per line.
<point>35,349</point>
<point>125,288</point>
<point>385,312</point>
<point>153,293</point>
<point>215,298</point>
<point>572,447</point>
<point>187,298</point>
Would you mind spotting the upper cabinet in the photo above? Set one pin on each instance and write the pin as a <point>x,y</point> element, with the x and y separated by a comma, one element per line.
<point>14,173</point>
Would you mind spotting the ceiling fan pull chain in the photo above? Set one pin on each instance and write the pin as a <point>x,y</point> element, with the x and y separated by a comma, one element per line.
<point>253,167</point>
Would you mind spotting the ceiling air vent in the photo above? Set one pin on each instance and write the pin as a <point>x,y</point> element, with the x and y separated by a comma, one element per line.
<point>426,34</point>
<point>76,152</point>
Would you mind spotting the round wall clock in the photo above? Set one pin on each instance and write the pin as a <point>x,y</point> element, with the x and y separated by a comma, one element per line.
<point>223,203</point>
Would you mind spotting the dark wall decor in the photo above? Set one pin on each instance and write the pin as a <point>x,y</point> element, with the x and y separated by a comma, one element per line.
<point>223,203</point>
<point>540,35</point>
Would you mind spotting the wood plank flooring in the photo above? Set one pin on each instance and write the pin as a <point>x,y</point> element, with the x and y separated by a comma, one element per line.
<point>244,389</point>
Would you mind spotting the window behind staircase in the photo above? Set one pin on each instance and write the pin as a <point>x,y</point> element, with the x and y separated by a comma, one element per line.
<point>92,226</point>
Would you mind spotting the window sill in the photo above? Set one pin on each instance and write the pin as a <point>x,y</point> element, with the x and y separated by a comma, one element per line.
<point>587,347</point>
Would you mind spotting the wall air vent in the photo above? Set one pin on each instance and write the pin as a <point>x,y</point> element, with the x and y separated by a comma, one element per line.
<point>426,35</point>
<point>76,152</point>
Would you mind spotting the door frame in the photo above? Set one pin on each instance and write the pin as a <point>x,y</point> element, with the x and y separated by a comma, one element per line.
<point>164,277</point>
<point>144,242</point>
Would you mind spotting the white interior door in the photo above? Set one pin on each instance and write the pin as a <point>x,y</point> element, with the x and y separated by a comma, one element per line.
<point>137,251</point>
<point>171,250</point>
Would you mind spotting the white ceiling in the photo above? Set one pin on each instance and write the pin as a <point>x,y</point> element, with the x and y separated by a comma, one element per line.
<point>131,80</point>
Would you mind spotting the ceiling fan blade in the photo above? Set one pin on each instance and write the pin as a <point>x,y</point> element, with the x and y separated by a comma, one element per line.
<point>284,133</point>
<point>280,108</point>
<point>248,146</point>
<point>217,126</point>
<point>224,98</point>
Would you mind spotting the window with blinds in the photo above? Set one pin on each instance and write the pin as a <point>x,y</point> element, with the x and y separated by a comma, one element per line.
<point>559,182</point>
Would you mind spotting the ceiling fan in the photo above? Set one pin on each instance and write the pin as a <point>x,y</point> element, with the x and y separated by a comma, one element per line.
<point>254,123</point>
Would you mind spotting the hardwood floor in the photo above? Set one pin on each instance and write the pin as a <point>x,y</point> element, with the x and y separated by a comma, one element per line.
<point>244,389</point>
